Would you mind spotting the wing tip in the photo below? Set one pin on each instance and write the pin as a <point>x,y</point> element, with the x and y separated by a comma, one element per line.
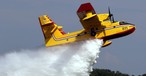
<point>85,7</point>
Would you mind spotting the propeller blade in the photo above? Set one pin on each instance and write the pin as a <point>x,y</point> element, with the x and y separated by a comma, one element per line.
<point>109,11</point>
<point>111,17</point>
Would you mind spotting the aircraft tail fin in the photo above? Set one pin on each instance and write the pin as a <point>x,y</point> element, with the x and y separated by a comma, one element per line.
<point>45,20</point>
<point>49,27</point>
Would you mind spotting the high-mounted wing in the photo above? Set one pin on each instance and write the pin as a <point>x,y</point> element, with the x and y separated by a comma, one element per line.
<point>88,17</point>
<point>86,10</point>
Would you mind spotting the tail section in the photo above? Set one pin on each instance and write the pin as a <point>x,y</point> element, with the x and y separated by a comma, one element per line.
<point>49,28</point>
<point>47,25</point>
<point>45,20</point>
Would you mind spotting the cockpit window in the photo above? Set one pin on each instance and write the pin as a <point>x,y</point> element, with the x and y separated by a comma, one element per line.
<point>124,23</point>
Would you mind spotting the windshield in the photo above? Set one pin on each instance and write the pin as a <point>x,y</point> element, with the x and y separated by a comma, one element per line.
<point>124,23</point>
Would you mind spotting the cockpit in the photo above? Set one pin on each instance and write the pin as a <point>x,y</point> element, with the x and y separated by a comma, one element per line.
<point>124,23</point>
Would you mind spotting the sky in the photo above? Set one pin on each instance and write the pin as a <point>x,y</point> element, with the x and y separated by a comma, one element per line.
<point>20,29</point>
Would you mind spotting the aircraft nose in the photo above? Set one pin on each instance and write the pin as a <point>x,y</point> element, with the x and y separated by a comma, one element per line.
<point>132,28</point>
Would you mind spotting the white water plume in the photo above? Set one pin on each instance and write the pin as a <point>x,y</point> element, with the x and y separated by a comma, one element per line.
<point>74,59</point>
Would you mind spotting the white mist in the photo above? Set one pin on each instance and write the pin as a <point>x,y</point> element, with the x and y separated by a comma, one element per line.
<point>74,59</point>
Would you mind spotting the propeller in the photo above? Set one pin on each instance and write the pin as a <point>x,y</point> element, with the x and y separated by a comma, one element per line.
<point>111,16</point>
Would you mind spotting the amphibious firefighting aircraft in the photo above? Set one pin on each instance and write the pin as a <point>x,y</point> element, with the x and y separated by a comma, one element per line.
<point>100,26</point>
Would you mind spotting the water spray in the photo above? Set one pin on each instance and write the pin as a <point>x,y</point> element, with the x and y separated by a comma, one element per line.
<point>75,59</point>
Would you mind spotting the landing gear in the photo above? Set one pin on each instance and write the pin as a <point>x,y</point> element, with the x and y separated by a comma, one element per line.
<point>93,33</point>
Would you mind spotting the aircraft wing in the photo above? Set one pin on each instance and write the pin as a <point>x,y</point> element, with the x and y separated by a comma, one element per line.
<point>88,17</point>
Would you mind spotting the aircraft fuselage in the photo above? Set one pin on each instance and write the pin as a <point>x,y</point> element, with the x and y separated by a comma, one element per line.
<point>116,32</point>
<point>105,34</point>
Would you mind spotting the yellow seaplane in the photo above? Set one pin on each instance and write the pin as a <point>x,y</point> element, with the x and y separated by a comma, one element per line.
<point>95,26</point>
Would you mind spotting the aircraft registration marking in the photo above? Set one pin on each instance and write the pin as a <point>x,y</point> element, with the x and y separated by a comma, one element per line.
<point>124,28</point>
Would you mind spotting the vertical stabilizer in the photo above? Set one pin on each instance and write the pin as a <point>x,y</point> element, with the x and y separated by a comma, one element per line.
<point>47,25</point>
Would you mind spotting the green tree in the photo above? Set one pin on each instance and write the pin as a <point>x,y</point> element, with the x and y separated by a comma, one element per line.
<point>144,75</point>
<point>106,72</point>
